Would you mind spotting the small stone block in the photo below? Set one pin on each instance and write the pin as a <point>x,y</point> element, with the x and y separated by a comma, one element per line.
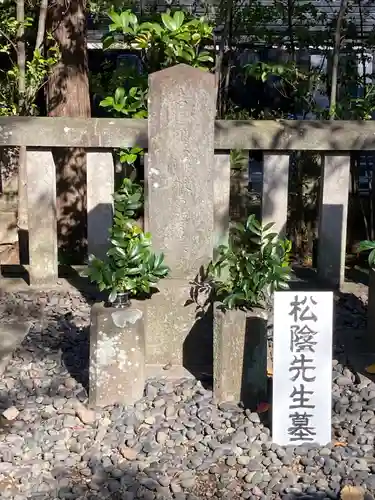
<point>240,356</point>
<point>175,336</point>
<point>117,355</point>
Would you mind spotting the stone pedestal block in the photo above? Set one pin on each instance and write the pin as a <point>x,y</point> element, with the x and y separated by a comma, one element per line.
<point>240,356</point>
<point>117,355</point>
<point>176,335</point>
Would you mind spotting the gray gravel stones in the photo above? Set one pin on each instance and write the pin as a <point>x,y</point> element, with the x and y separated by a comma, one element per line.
<point>173,444</point>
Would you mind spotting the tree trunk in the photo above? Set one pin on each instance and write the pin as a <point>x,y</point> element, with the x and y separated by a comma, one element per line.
<point>41,25</point>
<point>335,59</point>
<point>22,218</point>
<point>68,95</point>
<point>225,41</point>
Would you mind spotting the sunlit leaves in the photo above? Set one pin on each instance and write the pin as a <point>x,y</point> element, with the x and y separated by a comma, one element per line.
<point>251,267</point>
<point>170,41</point>
<point>130,265</point>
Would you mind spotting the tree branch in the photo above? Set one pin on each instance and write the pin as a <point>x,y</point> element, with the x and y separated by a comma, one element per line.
<point>41,25</point>
<point>335,59</point>
<point>21,53</point>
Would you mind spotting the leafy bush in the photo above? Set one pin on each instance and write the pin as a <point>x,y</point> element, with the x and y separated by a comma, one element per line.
<point>159,42</point>
<point>253,265</point>
<point>169,40</point>
<point>130,266</point>
<point>368,245</point>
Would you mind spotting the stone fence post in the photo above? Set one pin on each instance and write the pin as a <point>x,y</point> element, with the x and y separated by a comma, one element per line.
<point>333,218</point>
<point>179,208</point>
<point>42,219</point>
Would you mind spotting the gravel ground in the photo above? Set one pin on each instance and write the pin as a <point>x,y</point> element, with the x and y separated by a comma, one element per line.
<point>175,443</point>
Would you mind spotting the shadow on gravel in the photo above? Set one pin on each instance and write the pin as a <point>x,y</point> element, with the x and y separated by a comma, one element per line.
<point>57,344</point>
<point>352,346</point>
<point>63,329</point>
<point>75,356</point>
<point>126,483</point>
<point>63,334</point>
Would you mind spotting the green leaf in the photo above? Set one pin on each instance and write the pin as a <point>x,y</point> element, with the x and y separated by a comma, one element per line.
<point>178,18</point>
<point>119,95</point>
<point>124,19</point>
<point>268,226</point>
<point>112,295</point>
<point>133,18</point>
<point>115,18</point>
<point>135,270</point>
<point>107,102</point>
<point>185,55</point>
<point>185,36</point>
<point>168,22</point>
<point>120,252</point>
<point>366,245</point>
<point>85,273</point>
<point>371,258</point>
<point>205,58</point>
<point>133,91</point>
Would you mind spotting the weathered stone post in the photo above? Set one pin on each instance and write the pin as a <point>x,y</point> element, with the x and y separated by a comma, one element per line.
<point>179,206</point>
<point>42,222</point>
<point>275,191</point>
<point>221,199</point>
<point>117,355</point>
<point>333,219</point>
<point>100,187</point>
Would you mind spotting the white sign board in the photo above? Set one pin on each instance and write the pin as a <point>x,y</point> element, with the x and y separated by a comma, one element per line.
<point>302,368</point>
